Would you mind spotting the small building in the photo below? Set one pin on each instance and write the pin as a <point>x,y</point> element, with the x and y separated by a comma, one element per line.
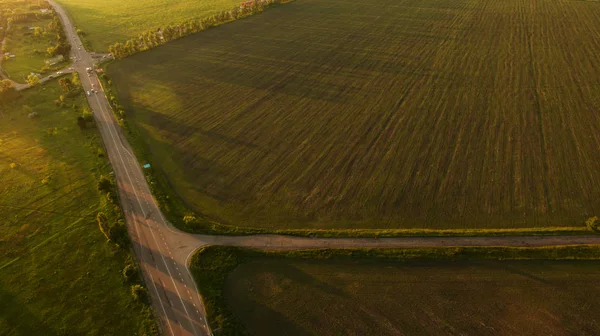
<point>44,10</point>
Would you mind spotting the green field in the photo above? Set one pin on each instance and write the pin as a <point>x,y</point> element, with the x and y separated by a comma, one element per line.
<point>384,114</point>
<point>58,275</point>
<point>110,21</point>
<point>429,298</point>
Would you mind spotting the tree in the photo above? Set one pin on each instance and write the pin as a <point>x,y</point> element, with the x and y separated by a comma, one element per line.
<point>66,84</point>
<point>104,184</point>
<point>33,80</point>
<point>118,233</point>
<point>38,32</point>
<point>7,91</point>
<point>139,293</point>
<point>130,272</point>
<point>51,51</point>
<point>76,81</point>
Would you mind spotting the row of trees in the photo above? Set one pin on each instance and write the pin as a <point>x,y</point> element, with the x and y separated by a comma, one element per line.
<point>115,232</point>
<point>151,39</point>
<point>61,47</point>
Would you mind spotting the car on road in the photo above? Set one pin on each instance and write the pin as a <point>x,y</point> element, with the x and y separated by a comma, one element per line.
<point>88,93</point>
<point>59,73</point>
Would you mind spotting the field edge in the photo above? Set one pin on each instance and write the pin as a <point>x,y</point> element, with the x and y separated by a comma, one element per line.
<point>211,265</point>
<point>182,217</point>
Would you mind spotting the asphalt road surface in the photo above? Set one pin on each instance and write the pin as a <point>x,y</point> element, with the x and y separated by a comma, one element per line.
<point>163,252</point>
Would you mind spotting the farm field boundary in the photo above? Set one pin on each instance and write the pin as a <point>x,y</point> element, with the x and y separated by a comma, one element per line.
<point>211,266</point>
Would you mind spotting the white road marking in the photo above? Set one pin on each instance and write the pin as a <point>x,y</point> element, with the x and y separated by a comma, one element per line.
<point>142,208</point>
<point>137,232</point>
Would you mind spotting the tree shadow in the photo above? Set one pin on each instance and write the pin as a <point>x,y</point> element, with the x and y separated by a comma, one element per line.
<point>18,319</point>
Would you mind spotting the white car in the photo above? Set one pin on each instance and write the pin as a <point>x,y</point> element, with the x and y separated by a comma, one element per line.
<point>88,93</point>
<point>59,73</point>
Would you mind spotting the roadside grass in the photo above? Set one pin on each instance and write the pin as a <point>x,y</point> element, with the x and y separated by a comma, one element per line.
<point>300,120</point>
<point>537,291</point>
<point>110,21</point>
<point>58,276</point>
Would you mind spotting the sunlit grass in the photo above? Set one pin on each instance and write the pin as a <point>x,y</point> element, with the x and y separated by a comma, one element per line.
<point>58,276</point>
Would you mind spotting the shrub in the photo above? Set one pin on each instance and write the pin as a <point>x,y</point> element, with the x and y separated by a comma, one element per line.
<point>593,223</point>
<point>111,197</point>
<point>139,293</point>
<point>13,165</point>
<point>187,219</point>
<point>118,234</point>
<point>130,272</point>
<point>104,184</point>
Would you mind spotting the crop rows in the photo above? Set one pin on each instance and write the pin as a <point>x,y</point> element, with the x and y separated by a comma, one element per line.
<point>382,114</point>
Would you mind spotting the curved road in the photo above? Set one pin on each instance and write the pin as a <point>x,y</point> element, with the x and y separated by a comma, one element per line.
<point>163,252</point>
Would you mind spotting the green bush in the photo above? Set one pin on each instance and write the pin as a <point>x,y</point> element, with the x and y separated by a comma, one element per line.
<point>593,223</point>
<point>130,272</point>
<point>139,293</point>
<point>118,234</point>
<point>105,184</point>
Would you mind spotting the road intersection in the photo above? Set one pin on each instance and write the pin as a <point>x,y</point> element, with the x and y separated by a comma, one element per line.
<point>163,252</point>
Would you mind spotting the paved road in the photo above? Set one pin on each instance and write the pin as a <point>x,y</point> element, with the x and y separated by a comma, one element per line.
<point>164,252</point>
<point>157,246</point>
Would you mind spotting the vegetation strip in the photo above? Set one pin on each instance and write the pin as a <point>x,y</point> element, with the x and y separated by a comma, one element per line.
<point>157,37</point>
<point>211,265</point>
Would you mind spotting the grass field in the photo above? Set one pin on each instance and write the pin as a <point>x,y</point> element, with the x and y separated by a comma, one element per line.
<point>58,276</point>
<point>345,114</point>
<point>428,298</point>
<point>110,21</point>
<point>30,51</point>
